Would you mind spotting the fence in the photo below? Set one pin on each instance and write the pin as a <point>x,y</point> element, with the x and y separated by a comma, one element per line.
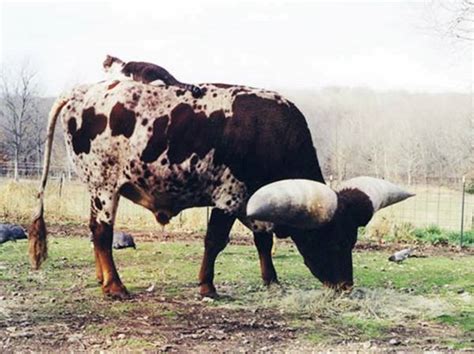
<point>29,170</point>
<point>442,201</point>
<point>445,202</point>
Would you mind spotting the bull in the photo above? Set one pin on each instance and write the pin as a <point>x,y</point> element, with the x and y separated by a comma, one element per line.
<point>166,150</point>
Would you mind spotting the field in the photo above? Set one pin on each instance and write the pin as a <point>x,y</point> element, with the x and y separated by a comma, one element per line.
<point>423,303</point>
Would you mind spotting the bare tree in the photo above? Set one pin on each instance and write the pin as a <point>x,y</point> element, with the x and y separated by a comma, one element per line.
<point>18,108</point>
<point>401,136</point>
<point>454,18</point>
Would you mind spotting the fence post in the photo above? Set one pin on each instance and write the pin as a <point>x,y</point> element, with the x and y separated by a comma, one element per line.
<point>61,182</point>
<point>463,199</point>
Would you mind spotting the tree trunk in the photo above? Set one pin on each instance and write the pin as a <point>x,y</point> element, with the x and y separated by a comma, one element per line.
<point>38,158</point>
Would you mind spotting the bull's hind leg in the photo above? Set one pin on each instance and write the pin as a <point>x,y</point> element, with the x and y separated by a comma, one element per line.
<point>264,242</point>
<point>103,210</point>
<point>263,239</point>
<point>217,237</point>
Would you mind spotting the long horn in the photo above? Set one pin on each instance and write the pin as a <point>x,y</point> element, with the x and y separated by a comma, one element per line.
<point>381,193</point>
<point>299,203</point>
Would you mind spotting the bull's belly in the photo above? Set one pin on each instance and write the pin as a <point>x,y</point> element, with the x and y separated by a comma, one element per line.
<point>163,188</point>
<point>193,183</point>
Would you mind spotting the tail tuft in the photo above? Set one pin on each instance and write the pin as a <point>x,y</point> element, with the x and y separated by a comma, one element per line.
<point>37,245</point>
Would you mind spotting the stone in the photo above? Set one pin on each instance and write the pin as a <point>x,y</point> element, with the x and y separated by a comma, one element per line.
<point>394,341</point>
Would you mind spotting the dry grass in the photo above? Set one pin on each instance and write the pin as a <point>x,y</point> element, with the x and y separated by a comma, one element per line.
<point>70,205</point>
<point>365,303</point>
<point>432,205</point>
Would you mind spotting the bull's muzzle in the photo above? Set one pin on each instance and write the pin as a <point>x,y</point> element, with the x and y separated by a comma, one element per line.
<point>340,286</point>
<point>163,217</point>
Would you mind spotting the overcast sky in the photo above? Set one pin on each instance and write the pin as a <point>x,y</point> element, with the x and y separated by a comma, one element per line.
<point>273,44</point>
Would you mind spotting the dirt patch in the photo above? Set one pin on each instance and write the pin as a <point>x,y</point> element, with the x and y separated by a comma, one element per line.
<point>424,336</point>
<point>242,239</point>
<point>420,250</point>
<point>165,324</point>
<point>146,236</point>
<point>219,329</point>
<point>179,325</point>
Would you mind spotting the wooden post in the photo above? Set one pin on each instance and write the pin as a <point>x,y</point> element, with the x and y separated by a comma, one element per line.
<point>463,199</point>
<point>61,182</point>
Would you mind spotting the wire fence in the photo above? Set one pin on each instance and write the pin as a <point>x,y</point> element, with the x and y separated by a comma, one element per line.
<point>447,203</point>
<point>32,170</point>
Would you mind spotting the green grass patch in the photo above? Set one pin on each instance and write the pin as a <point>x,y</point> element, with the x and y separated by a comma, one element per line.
<point>103,330</point>
<point>387,231</point>
<point>366,328</point>
<point>464,319</point>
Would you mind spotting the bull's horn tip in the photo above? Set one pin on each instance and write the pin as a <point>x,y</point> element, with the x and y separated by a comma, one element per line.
<point>408,195</point>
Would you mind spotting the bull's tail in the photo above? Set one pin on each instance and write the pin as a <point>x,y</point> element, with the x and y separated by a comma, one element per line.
<point>37,245</point>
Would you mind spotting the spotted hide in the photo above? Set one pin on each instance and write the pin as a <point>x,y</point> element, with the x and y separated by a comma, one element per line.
<point>167,151</point>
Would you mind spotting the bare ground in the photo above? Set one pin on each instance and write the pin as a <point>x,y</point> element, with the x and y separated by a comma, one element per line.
<point>421,250</point>
<point>193,324</point>
<point>187,326</point>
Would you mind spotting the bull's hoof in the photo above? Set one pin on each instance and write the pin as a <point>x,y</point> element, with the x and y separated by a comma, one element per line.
<point>208,290</point>
<point>116,292</point>
<point>270,282</point>
<point>122,295</point>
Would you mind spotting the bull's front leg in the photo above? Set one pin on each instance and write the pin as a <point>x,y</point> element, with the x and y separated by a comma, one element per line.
<point>98,268</point>
<point>264,242</point>
<point>103,209</point>
<point>217,237</point>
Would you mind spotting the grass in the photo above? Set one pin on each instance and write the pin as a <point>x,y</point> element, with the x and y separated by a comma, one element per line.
<point>463,319</point>
<point>386,230</point>
<point>436,291</point>
<point>470,188</point>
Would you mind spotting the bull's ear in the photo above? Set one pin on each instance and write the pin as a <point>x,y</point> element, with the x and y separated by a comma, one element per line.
<point>367,195</point>
<point>299,203</point>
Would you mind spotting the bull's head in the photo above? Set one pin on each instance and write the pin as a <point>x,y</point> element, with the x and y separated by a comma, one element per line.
<point>322,222</point>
